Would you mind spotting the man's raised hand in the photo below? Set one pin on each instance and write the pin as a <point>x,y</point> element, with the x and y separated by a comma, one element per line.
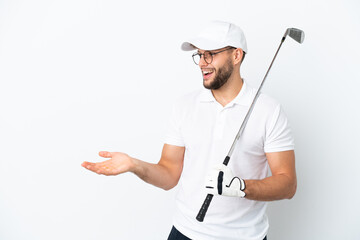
<point>117,164</point>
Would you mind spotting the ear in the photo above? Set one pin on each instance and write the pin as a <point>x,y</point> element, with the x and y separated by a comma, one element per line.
<point>238,54</point>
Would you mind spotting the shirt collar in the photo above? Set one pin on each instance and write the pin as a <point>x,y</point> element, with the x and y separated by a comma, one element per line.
<point>243,98</point>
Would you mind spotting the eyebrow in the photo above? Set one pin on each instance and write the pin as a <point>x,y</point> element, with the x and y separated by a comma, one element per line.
<point>204,52</point>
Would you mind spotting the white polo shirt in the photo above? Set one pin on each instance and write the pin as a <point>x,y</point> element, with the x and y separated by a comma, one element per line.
<point>207,129</point>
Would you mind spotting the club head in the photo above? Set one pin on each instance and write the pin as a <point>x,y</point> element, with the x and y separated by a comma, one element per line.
<point>296,34</point>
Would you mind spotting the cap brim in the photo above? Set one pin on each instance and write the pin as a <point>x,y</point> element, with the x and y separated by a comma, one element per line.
<point>186,46</point>
<point>201,43</point>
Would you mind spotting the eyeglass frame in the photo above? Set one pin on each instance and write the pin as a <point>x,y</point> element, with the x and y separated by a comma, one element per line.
<point>211,54</point>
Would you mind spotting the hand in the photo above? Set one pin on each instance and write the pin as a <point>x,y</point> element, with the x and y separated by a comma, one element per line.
<point>117,164</point>
<point>221,181</point>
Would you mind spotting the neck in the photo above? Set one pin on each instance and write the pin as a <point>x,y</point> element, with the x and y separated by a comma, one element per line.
<point>229,90</point>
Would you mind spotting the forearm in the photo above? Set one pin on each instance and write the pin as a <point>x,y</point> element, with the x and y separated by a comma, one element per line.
<point>271,188</point>
<point>158,175</point>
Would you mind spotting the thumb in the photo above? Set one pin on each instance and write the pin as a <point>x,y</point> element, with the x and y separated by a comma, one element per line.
<point>105,154</point>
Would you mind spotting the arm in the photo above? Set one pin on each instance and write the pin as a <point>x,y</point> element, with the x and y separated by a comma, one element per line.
<point>282,183</point>
<point>165,174</point>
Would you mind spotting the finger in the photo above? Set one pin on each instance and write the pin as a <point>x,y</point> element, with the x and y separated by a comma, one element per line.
<point>230,192</point>
<point>212,191</point>
<point>214,175</point>
<point>210,183</point>
<point>227,172</point>
<point>236,192</point>
<point>219,167</point>
<point>94,167</point>
<point>223,167</point>
<point>87,164</point>
<point>105,154</point>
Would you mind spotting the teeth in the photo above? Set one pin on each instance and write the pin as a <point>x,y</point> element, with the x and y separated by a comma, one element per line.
<point>207,72</point>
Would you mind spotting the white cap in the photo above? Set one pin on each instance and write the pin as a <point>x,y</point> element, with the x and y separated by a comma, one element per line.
<point>217,35</point>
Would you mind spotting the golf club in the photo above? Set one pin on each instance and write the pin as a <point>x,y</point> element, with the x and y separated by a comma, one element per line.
<point>296,34</point>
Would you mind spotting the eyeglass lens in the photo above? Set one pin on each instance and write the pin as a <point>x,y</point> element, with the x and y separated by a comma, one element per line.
<point>207,57</point>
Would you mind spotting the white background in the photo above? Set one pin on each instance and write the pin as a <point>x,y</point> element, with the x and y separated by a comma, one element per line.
<point>77,77</point>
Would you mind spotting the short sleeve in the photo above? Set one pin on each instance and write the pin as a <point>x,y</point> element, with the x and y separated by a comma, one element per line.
<point>173,134</point>
<point>278,133</point>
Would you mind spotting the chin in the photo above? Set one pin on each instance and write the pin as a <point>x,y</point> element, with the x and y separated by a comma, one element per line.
<point>207,83</point>
<point>207,86</point>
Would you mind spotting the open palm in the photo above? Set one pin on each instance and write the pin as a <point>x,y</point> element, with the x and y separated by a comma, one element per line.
<point>117,164</point>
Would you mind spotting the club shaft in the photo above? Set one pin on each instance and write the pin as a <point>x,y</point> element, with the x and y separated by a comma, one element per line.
<point>243,124</point>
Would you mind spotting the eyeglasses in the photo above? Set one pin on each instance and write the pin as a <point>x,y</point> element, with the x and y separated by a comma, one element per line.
<point>208,56</point>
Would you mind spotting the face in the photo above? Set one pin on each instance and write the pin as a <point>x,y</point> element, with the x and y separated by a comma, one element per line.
<point>218,72</point>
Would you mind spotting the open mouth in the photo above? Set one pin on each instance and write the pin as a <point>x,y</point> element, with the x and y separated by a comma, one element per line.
<point>207,73</point>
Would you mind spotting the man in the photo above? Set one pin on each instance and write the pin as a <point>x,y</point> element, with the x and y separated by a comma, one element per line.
<point>201,130</point>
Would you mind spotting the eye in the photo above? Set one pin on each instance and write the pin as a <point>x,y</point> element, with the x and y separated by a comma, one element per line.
<point>208,54</point>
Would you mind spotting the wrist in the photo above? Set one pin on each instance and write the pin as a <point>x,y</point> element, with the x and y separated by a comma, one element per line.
<point>248,185</point>
<point>134,165</point>
<point>243,187</point>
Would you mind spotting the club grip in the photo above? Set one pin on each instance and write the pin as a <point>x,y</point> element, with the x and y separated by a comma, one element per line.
<point>201,215</point>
